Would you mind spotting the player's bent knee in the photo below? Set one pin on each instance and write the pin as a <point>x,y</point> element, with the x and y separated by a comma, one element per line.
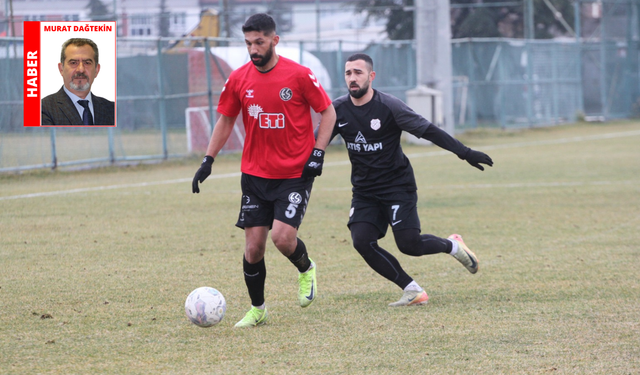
<point>284,237</point>
<point>365,245</point>
<point>364,237</point>
<point>361,245</point>
<point>410,244</point>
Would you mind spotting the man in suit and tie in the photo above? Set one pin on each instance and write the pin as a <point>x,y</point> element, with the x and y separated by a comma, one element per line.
<point>74,104</point>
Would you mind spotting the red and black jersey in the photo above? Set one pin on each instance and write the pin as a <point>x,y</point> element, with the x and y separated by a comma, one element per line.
<point>277,118</point>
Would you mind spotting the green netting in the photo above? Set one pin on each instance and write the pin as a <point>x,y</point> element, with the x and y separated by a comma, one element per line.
<point>503,83</point>
<point>511,83</point>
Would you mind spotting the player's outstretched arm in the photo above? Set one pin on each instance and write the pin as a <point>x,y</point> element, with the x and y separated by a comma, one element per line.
<point>219,136</point>
<point>442,139</point>
<point>313,166</point>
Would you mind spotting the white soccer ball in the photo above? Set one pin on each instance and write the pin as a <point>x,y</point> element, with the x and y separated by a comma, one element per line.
<point>205,306</point>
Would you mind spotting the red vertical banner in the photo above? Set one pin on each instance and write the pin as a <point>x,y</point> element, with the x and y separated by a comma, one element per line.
<point>31,76</point>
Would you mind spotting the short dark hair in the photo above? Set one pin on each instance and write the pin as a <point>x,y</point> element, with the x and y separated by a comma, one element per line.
<point>260,22</point>
<point>78,42</point>
<point>362,56</point>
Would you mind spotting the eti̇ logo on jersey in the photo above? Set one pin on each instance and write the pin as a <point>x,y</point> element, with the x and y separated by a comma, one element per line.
<point>375,124</point>
<point>286,94</point>
<point>271,120</point>
<point>266,120</point>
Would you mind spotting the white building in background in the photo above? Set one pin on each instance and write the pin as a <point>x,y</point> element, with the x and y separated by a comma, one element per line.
<point>142,17</point>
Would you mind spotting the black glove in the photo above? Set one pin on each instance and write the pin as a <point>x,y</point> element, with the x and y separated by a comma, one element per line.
<point>474,158</point>
<point>203,172</point>
<point>313,166</point>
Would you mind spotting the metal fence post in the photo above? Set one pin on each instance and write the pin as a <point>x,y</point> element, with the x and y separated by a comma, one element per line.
<point>554,86</point>
<point>54,154</point>
<point>603,65</point>
<point>628,66</point>
<point>339,59</point>
<point>472,86</point>
<point>529,83</point>
<point>300,52</point>
<point>161,103</point>
<point>578,27</point>
<point>112,153</point>
<point>207,64</point>
<point>529,28</point>
<point>502,86</point>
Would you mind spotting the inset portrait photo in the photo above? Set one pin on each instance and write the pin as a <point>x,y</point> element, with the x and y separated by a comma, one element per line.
<point>78,74</point>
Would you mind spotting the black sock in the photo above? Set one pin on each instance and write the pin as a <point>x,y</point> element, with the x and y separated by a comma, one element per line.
<point>255,276</point>
<point>300,258</point>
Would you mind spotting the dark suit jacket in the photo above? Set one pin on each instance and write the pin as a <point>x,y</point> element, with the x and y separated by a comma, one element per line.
<point>58,109</point>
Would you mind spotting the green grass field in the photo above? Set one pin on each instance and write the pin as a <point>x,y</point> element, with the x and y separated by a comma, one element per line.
<point>96,265</point>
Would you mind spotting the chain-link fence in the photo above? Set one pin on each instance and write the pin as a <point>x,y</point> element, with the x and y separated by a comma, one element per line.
<point>512,83</point>
<point>497,83</point>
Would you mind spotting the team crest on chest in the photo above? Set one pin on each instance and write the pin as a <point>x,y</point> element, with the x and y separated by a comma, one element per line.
<point>295,198</point>
<point>286,94</point>
<point>375,124</point>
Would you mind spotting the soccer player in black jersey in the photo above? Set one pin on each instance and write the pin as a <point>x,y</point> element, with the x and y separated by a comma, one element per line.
<point>384,187</point>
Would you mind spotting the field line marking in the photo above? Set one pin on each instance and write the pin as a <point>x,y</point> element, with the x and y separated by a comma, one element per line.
<point>343,188</point>
<point>509,185</point>
<point>346,162</point>
<point>112,187</point>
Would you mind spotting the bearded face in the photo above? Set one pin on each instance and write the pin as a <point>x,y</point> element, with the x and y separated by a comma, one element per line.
<point>358,91</point>
<point>358,77</point>
<point>261,48</point>
<point>262,60</point>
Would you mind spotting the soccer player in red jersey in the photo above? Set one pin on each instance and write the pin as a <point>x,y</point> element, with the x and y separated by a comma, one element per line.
<point>280,159</point>
<point>384,186</point>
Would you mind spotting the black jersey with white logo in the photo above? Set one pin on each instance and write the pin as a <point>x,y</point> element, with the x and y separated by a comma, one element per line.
<point>372,135</point>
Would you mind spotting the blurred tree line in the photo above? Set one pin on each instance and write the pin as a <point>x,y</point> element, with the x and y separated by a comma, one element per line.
<point>474,18</point>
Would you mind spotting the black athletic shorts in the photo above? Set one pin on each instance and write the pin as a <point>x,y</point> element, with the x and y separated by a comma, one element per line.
<point>264,200</point>
<point>397,209</point>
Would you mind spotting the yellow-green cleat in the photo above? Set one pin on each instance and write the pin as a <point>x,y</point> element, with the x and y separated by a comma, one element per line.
<point>307,286</point>
<point>254,317</point>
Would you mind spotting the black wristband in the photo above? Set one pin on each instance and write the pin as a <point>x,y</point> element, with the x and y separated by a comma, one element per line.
<point>208,159</point>
<point>318,153</point>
